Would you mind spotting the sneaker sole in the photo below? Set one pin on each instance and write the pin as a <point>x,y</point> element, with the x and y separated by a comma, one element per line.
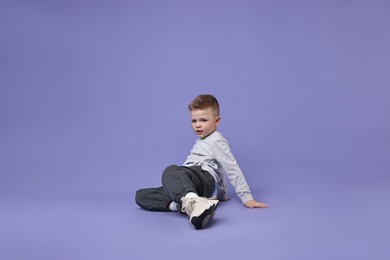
<point>202,220</point>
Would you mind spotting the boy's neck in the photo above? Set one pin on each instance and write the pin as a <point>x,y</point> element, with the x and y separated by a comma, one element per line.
<point>208,135</point>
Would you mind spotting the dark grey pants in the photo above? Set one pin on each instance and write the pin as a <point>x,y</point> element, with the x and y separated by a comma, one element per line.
<point>177,181</point>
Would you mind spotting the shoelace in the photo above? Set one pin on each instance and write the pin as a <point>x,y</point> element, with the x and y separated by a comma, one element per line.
<point>189,207</point>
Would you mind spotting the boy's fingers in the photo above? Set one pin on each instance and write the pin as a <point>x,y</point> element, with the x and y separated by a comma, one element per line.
<point>263,205</point>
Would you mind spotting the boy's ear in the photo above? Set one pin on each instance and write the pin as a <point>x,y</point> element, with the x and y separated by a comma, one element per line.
<point>217,120</point>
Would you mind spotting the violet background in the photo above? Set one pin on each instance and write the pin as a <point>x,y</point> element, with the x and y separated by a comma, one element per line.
<point>93,106</point>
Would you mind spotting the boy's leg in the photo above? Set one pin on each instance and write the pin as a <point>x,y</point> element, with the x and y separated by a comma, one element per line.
<point>153,199</point>
<point>180,180</point>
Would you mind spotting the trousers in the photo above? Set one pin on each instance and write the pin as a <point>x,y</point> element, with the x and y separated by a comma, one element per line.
<point>177,181</point>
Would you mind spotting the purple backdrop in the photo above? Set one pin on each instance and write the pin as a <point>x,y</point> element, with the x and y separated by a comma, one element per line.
<point>93,105</point>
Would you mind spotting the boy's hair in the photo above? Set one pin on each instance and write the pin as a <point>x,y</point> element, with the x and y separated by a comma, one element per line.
<point>203,102</point>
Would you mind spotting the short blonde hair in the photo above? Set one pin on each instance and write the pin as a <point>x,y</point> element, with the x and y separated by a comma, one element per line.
<point>203,102</point>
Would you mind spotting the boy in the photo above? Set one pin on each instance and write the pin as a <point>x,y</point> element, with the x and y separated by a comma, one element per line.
<point>188,188</point>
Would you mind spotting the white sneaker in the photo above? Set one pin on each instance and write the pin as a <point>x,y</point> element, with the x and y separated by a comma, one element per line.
<point>200,210</point>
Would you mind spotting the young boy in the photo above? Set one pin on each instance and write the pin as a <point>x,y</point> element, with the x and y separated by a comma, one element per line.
<point>189,188</point>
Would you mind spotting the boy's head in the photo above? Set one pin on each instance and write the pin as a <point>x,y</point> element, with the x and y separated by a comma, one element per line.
<point>203,102</point>
<point>204,110</point>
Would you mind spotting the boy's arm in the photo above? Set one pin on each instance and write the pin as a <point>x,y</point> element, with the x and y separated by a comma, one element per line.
<point>225,157</point>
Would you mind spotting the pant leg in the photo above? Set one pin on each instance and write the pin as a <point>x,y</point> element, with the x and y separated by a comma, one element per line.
<point>207,182</point>
<point>153,199</point>
<point>179,180</point>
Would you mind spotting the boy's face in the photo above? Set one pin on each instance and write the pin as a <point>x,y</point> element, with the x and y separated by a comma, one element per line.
<point>204,122</point>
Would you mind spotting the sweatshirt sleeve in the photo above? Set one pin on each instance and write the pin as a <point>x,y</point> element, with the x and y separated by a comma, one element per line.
<point>229,165</point>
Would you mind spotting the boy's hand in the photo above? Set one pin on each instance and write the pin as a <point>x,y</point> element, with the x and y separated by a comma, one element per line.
<point>255,204</point>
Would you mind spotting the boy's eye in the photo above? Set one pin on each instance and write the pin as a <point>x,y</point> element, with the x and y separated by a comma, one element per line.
<point>200,120</point>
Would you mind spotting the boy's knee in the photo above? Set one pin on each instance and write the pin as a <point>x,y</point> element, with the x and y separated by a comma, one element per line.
<point>141,196</point>
<point>170,170</point>
<point>138,196</point>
